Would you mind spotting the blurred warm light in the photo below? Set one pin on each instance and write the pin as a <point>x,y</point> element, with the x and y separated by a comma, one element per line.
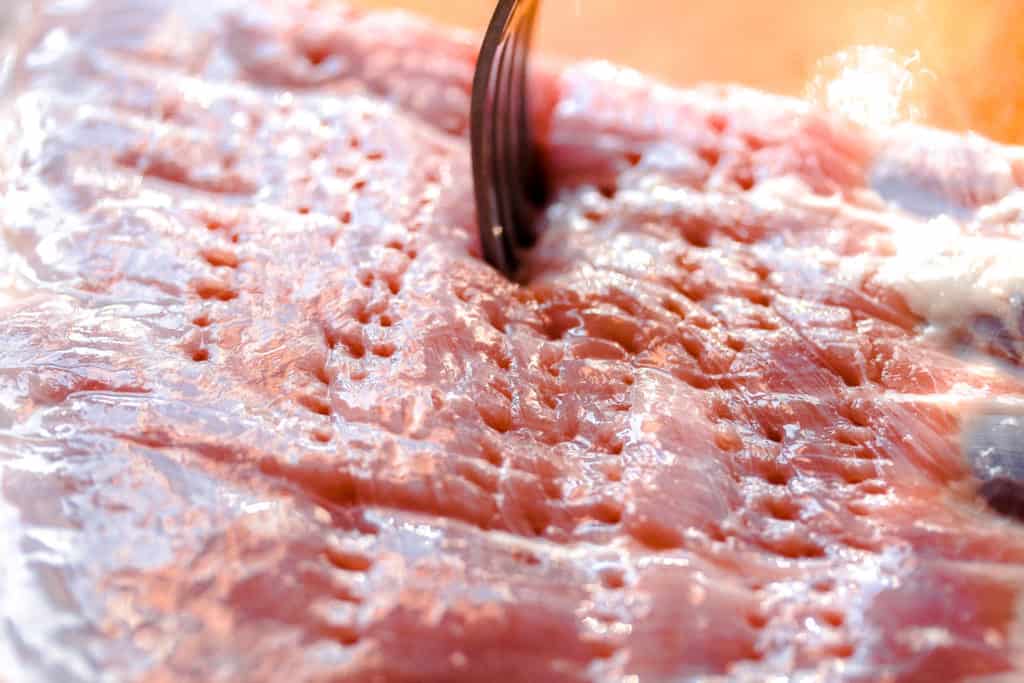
<point>974,49</point>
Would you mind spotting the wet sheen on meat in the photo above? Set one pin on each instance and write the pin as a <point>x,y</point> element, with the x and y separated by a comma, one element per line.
<point>265,415</point>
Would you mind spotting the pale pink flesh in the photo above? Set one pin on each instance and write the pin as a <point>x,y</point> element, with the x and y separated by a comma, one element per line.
<point>267,416</point>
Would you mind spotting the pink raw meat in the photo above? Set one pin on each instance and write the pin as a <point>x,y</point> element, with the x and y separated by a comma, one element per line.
<point>266,416</point>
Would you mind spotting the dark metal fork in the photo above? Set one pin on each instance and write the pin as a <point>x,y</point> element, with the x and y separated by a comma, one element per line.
<point>507,176</point>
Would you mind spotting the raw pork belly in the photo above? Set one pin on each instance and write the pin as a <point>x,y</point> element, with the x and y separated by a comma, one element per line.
<point>265,415</point>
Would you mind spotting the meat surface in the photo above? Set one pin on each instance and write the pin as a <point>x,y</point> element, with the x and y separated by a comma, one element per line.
<point>265,415</point>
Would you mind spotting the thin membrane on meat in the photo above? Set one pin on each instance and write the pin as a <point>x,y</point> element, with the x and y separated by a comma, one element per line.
<point>266,415</point>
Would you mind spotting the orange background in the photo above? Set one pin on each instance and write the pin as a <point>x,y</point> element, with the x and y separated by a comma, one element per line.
<point>972,47</point>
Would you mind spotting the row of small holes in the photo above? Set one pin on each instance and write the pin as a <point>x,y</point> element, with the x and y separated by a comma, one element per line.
<point>211,288</point>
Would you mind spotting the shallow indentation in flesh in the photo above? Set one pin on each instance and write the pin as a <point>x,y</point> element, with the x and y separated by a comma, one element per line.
<point>756,620</point>
<point>218,257</point>
<point>321,374</point>
<point>315,404</point>
<point>215,289</point>
<point>621,406</point>
<point>656,535</point>
<point>782,509</point>
<point>796,548</point>
<point>613,578</point>
<point>609,512</point>
<point>496,415</point>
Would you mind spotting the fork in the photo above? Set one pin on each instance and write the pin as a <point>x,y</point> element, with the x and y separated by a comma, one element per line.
<point>507,179</point>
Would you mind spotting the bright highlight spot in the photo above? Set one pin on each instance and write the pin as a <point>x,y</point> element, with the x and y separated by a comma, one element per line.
<point>874,86</point>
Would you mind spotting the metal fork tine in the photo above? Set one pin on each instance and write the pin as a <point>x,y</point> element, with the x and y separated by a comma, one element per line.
<point>518,137</point>
<point>529,169</point>
<point>480,137</point>
<point>505,180</point>
<point>505,169</point>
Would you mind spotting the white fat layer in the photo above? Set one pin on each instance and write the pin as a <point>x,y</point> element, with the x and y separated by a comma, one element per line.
<point>945,268</point>
<point>947,277</point>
